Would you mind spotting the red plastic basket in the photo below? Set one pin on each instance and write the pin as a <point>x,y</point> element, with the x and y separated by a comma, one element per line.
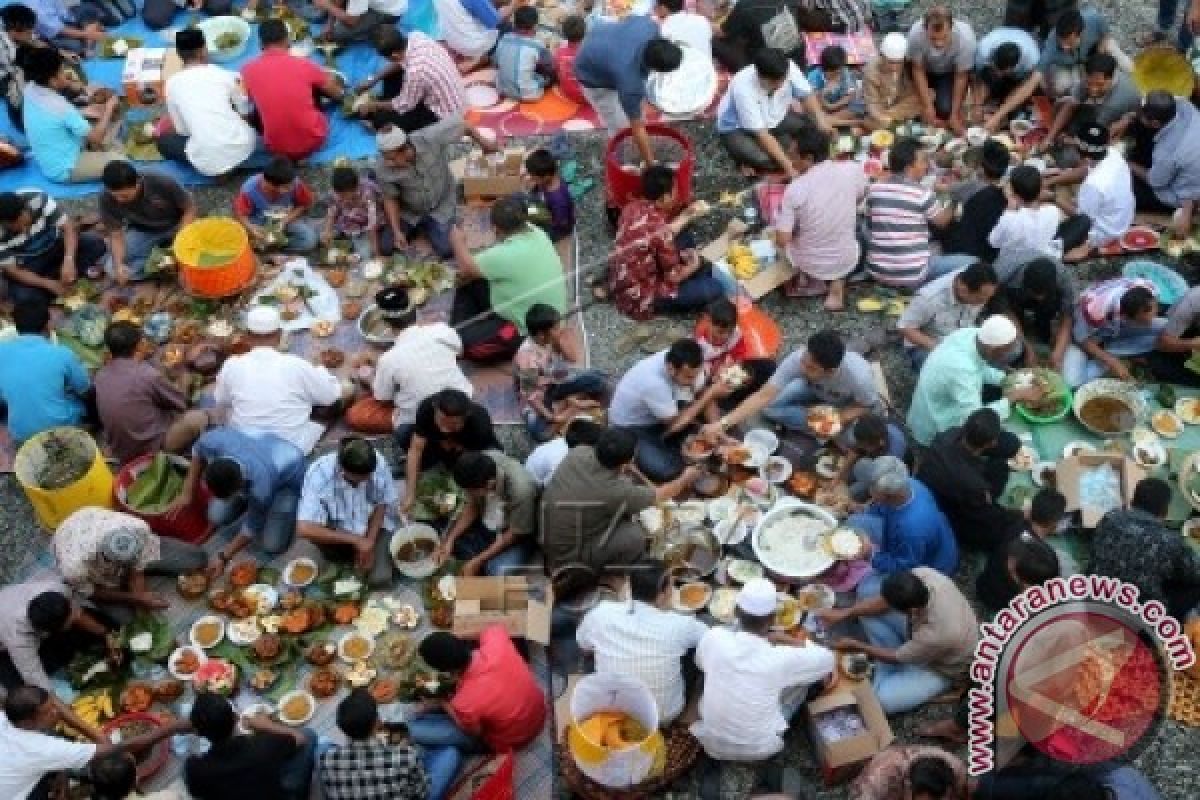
<point>622,184</point>
<point>189,525</point>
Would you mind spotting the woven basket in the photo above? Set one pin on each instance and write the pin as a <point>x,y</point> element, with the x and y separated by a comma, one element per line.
<point>682,751</point>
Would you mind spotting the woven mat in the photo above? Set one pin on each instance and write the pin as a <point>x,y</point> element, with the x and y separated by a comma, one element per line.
<point>1185,699</point>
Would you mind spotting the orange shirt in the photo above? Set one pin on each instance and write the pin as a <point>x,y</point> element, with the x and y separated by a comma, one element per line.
<point>498,699</point>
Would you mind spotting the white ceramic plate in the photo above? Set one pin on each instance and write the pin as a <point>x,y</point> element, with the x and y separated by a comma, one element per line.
<point>482,96</point>
<point>341,646</point>
<point>204,619</point>
<point>283,703</point>
<point>287,573</point>
<point>175,656</point>
<point>763,438</point>
<point>243,631</point>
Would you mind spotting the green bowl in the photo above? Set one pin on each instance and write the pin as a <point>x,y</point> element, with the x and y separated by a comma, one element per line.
<point>1064,409</point>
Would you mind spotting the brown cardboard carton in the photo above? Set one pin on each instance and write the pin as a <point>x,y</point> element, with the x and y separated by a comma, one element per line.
<point>840,758</point>
<point>521,604</point>
<point>144,76</point>
<point>489,176</point>
<point>1068,472</point>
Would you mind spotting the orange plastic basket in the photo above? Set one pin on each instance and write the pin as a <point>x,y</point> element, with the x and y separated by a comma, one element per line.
<point>215,257</point>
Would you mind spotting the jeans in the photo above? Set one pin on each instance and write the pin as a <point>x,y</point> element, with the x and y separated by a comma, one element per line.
<point>302,237</point>
<point>478,537</point>
<point>89,252</point>
<point>694,294</point>
<point>744,148</point>
<point>900,687</point>
<point>139,243</point>
<point>276,535</point>
<point>173,146</point>
<point>158,14</point>
<point>658,459</point>
<point>380,574</point>
<point>942,86</point>
<point>1132,340</point>
<point>587,383</point>
<point>437,732</point>
<point>437,232</point>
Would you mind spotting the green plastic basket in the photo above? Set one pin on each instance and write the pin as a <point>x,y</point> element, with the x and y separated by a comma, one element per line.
<point>1067,401</point>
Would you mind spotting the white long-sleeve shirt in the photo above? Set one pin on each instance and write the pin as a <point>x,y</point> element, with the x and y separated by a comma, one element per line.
<point>275,392</point>
<point>422,361</point>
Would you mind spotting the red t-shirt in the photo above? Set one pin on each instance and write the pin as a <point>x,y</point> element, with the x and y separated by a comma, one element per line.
<point>498,698</point>
<point>282,88</point>
<point>564,62</point>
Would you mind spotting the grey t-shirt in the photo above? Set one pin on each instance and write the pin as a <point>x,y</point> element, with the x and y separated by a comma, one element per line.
<point>646,395</point>
<point>936,311</point>
<point>1184,315</point>
<point>1123,98</point>
<point>957,56</point>
<point>852,384</point>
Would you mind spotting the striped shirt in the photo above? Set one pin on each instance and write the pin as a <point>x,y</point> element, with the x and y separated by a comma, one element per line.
<point>430,77</point>
<point>517,60</point>
<point>42,233</point>
<point>898,214</point>
<point>328,499</point>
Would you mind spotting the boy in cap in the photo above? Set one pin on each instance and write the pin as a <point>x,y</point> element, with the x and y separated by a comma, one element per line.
<point>757,680</point>
<point>106,555</point>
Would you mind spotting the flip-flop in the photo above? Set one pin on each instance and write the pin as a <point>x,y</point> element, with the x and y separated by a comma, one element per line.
<point>579,188</point>
<point>569,170</point>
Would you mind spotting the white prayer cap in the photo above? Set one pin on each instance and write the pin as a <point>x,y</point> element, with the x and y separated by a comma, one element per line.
<point>263,320</point>
<point>391,139</point>
<point>757,598</point>
<point>894,47</point>
<point>997,331</point>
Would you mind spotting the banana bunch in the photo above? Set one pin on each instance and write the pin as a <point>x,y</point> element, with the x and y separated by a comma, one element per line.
<point>94,708</point>
<point>742,261</point>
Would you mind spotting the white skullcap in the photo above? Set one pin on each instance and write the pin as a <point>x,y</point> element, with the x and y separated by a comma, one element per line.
<point>757,598</point>
<point>894,47</point>
<point>889,475</point>
<point>391,139</point>
<point>263,320</point>
<point>997,331</point>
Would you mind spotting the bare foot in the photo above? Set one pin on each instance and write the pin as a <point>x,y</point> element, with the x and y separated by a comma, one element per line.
<point>946,730</point>
<point>836,301</point>
<point>748,171</point>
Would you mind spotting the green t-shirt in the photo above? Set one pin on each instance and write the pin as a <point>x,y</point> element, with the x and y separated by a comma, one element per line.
<point>522,271</point>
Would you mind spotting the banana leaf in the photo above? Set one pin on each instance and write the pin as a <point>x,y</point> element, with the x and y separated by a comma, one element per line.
<point>156,487</point>
<point>156,626</point>
<point>431,486</point>
<point>269,575</point>
<point>92,357</point>
<point>81,676</point>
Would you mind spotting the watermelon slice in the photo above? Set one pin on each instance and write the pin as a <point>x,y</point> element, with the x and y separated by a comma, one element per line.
<point>1139,239</point>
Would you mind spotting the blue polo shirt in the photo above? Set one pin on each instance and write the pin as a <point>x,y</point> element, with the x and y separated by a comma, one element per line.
<point>917,534</point>
<point>611,58</point>
<point>42,384</point>
<point>269,465</point>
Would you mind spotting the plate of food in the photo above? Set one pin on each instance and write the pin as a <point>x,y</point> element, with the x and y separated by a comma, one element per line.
<point>1044,474</point>
<point>690,513</point>
<point>777,469</point>
<point>787,612</point>
<point>184,661</point>
<point>824,421</point>
<point>1078,448</point>
<point>244,632</point>
<point>1055,400</point>
<point>1024,460</point>
<point>742,571</point>
<point>206,632</point>
<point>691,597</point>
<point>262,597</point>
<point>722,605</point>
<point>297,707</point>
<point>217,676</point>
<point>1188,410</point>
<point>816,596</point>
<point>1149,454</point>
<point>372,621</point>
<point>761,438</point>
<point>760,492</point>
<point>300,572</point>
<point>1166,424</point>
<point>1140,239</point>
<point>355,646</point>
<point>845,545</point>
<point>132,725</point>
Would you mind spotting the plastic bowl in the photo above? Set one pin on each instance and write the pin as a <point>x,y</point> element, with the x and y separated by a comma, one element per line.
<point>1064,407</point>
<point>214,27</point>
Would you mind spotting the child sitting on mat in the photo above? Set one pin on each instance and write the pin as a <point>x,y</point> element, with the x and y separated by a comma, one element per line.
<point>552,389</point>
<point>574,28</point>
<point>355,213</point>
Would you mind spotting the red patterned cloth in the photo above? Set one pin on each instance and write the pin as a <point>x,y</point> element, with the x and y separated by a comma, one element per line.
<point>644,262</point>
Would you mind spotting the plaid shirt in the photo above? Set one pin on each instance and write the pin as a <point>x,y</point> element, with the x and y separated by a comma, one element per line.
<point>373,770</point>
<point>430,77</point>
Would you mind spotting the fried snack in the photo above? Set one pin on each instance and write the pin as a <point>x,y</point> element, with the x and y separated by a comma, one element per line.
<point>187,663</point>
<point>321,654</point>
<point>219,600</point>
<point>263,679</point>
<point>384,690</point>
<point>242,574</point>
<point>345,613</point>
<point>291,600</point>
<point>168,691</point>
<point>137,698</point>
<point>267,647</point>
<point>192,585</point>
<point>323,683</point>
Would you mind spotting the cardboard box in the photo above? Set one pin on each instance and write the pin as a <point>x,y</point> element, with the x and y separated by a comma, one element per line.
<point>521,604</point>
<point>1069,470</point>
<point>146,71</point>
<point>841,758</point>
<point>487,177</point>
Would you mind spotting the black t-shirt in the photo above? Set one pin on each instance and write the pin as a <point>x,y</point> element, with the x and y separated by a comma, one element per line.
<point>746,24</point>
<point>955,476</point>
<point>240,768</point>
<point>980,213</point>
<point>476,435</point>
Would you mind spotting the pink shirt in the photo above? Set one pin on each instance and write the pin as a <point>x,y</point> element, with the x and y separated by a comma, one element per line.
<point>820,208</point>
<point>430,77</point>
